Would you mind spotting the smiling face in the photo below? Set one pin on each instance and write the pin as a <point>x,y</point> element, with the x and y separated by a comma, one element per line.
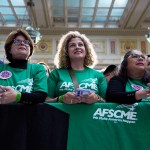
<point>20,48</point>
<point>136,61</point>
<point>76,49</point>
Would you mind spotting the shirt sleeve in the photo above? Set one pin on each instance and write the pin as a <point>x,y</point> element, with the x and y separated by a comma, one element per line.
<point>39,91</point>
<point>39,79</point>
<point>116,92</point>
<point>102,86</point>
<point>52,83</point>
<point>33,98</point>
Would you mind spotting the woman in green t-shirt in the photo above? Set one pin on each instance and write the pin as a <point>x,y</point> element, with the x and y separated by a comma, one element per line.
<point>132,84</point>
<point>21,81</point>
<point>75,55</point>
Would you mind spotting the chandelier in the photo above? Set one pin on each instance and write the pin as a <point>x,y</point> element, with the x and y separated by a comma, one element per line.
<point>33,32</point>
<point>148,35</point>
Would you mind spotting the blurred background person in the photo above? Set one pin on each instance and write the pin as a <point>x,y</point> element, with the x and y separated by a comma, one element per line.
<point>21,81</point>
<point>75,52</point>
<point>110,71</point>
<point>47,68</point>
<point>132,83</point>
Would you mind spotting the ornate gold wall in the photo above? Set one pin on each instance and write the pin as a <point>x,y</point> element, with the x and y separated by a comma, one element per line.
<point>109,49</point>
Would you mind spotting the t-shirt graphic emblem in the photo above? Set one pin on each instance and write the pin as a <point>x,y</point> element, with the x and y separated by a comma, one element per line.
<point>137,87</point>
<point>5,74</point>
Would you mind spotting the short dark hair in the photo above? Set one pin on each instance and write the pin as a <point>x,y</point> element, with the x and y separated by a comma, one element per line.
<point>9,42</point>
<point>109,69</point>
<point>148,55</point>
<point>124,64</point>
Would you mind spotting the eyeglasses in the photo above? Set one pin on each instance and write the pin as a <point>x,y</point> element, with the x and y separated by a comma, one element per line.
<point>18,42</point>
<point>136,56</point>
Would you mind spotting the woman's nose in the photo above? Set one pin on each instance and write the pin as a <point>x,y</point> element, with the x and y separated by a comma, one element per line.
<point>140,57</point>
<point>77,46</point>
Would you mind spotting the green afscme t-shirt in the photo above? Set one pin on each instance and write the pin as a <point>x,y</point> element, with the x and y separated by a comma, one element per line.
<point>136,85</point>
<point>60,82</point>
<point>24,80</point>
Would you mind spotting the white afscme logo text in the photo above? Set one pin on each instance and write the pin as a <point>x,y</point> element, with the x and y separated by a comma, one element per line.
<point>127,115</point>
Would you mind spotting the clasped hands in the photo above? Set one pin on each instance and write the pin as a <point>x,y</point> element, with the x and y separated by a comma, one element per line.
<point>7,94</point>
<point>71,98</point>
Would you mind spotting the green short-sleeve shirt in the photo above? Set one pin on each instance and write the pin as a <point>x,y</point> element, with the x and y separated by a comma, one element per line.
<point>60,82</point>
<point>24,80</point>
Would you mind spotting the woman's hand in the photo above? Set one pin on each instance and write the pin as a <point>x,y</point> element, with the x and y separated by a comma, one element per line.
<point>148,84</point>
<point>143,93</point>
<point>7,95</point>
<point>89,99</point>
<point>68,98</point>
<point>71,98</point>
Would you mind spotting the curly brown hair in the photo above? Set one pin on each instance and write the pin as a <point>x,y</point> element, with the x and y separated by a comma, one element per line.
<point>9,42</point>
<point>62,60</point>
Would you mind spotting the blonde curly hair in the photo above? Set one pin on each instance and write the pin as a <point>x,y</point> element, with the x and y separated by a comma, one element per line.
<point>62,60</point>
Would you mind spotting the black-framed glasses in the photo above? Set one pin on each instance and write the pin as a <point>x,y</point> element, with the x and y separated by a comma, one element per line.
<point>136,56</point>
<point>18,42</point>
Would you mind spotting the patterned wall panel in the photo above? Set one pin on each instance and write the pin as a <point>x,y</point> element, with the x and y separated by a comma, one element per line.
<point>37,60</point>
<point>44,46</point>
<point>113,46</point>
<point>126,45</point>
<point>99,46</point>
<point>109,49</point>
<point>143,46</point>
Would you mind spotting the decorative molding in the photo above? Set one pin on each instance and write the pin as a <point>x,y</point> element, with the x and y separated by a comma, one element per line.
<point>91,31</point>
